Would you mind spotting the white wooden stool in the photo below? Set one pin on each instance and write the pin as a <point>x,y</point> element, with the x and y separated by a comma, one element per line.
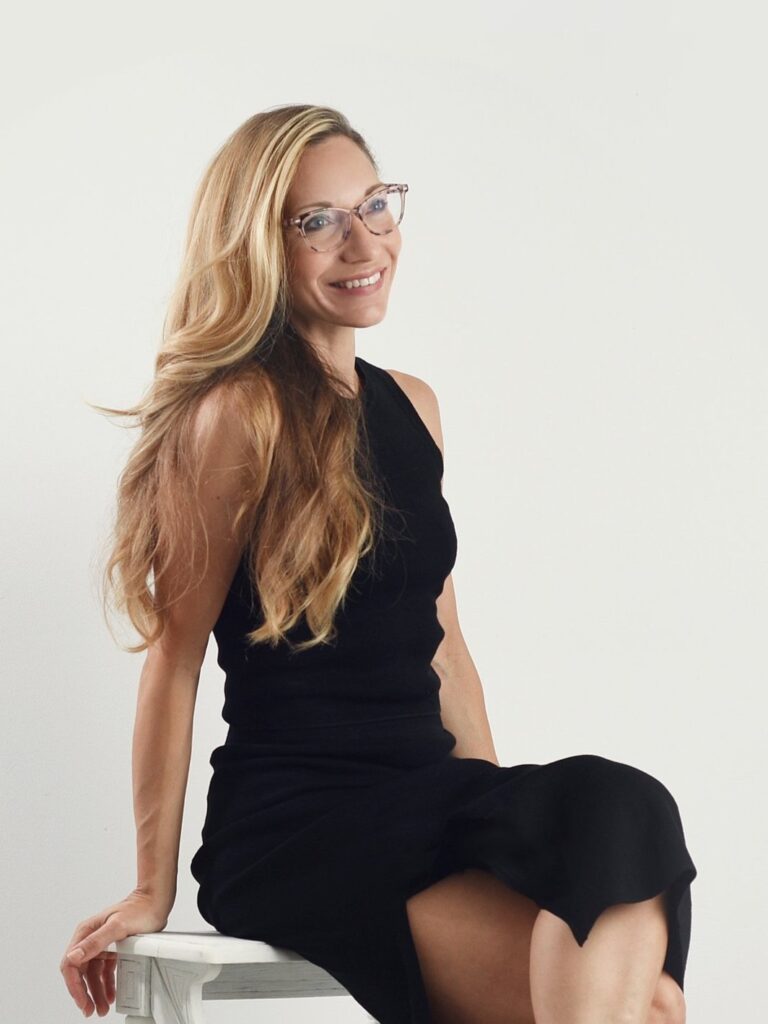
<point>163,977</point>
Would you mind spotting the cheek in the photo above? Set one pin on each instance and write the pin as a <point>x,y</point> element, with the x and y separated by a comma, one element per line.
<point>304,274</point>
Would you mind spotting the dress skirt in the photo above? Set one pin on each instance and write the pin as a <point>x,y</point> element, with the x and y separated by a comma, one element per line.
<point>319,854</point>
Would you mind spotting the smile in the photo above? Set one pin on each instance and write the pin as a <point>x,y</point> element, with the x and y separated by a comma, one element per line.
<point>362,285</point>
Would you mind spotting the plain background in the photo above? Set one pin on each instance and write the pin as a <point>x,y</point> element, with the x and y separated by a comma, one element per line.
<point>582,282</point>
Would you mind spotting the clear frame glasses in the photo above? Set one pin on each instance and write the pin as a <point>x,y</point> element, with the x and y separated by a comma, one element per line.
<point>327,227</point>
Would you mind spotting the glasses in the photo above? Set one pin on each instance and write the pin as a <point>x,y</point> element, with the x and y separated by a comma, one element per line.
<point>328,227</point>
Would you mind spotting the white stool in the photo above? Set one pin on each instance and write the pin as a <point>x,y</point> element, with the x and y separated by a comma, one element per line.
<point>163,977</point>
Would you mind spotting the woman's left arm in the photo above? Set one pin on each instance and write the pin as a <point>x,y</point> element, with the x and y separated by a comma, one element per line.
<point>462,701</point>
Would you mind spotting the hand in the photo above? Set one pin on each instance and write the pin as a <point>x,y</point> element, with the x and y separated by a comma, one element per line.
<point>137,913</point>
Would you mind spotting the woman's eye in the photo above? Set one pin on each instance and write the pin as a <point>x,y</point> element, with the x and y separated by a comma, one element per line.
<point>315,223</point>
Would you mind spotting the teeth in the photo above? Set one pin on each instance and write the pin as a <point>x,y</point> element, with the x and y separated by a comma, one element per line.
<point>359,282</point>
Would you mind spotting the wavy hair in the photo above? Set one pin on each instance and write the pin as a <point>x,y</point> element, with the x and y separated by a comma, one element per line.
<point>311,507</point>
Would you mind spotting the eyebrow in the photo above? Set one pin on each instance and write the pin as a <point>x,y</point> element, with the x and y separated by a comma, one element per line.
<point>324,202</point>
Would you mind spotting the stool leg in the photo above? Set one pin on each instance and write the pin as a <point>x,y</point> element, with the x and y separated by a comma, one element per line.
<point>133,987</point>
<point>155,990</point>
<point>177,990</point>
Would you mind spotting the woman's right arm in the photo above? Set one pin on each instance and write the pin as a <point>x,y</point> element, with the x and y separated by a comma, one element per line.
<point>162,736</point>
<point>162,746</point>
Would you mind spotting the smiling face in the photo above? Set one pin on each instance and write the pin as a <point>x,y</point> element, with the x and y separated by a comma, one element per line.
<point>338,172</point>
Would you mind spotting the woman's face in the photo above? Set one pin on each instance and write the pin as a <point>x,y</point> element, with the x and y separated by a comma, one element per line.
<point>338,172</point>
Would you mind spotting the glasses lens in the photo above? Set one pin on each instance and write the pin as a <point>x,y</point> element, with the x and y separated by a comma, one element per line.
<point>383,211</point>
<point>324,229</point>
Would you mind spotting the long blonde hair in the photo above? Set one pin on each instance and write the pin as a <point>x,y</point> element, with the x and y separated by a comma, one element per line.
<point>311,506</point>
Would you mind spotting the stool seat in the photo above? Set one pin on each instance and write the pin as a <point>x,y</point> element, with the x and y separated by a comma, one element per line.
<point>164,977</point>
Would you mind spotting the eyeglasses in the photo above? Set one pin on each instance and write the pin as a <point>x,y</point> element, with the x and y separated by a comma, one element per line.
<point>328,227</point>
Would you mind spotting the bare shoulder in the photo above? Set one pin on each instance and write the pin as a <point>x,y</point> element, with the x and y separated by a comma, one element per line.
<point>424,400</point>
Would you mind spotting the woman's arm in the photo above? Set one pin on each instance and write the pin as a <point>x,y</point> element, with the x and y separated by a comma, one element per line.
<point>162,746</point>
<point>462,701</point>
<point>461,693</point>
<point>162,737</point>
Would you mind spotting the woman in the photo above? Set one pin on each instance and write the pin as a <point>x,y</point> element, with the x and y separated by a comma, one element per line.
<point>286,495</point>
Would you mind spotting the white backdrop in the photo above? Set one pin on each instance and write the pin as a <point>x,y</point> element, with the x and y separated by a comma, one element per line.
<point>582,282</point>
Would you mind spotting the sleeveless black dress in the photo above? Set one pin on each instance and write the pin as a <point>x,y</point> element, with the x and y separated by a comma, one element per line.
<point>336,796</point>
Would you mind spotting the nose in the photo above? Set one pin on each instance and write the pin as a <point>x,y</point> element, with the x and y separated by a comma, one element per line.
<point>360,242</point>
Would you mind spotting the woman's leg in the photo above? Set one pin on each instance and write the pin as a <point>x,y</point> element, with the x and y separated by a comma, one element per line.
<point>612,978</point>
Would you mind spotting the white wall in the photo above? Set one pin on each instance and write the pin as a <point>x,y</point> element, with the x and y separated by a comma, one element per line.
<point>582,282</point>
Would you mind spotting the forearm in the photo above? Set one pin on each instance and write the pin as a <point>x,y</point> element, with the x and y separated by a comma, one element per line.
<point>462,706</point>
<point>162,746</point>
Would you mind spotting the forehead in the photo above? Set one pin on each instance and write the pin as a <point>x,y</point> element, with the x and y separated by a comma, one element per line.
<point>334,171</point>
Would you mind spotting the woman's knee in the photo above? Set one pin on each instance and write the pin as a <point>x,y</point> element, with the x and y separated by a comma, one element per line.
<point>668,1006</point>
<point>624,783</point>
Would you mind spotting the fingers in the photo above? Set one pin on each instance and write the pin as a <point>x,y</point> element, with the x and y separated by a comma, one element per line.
<point>110,970</point>
<point>88,960</point>
<point>99,972</point>
<point>77,988</point>
<point>95,972</point>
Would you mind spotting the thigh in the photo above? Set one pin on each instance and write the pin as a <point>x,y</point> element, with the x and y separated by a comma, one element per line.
<point>472,934</point>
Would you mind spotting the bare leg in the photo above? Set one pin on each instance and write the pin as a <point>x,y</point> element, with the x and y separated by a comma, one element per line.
<point>612,978</point>
<point>668,1006</point>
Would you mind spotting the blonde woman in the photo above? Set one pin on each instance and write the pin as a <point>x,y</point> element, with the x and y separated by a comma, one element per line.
<point>286,495</point>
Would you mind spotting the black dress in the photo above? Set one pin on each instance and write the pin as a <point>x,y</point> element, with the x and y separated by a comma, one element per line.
<point>336,796</point>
